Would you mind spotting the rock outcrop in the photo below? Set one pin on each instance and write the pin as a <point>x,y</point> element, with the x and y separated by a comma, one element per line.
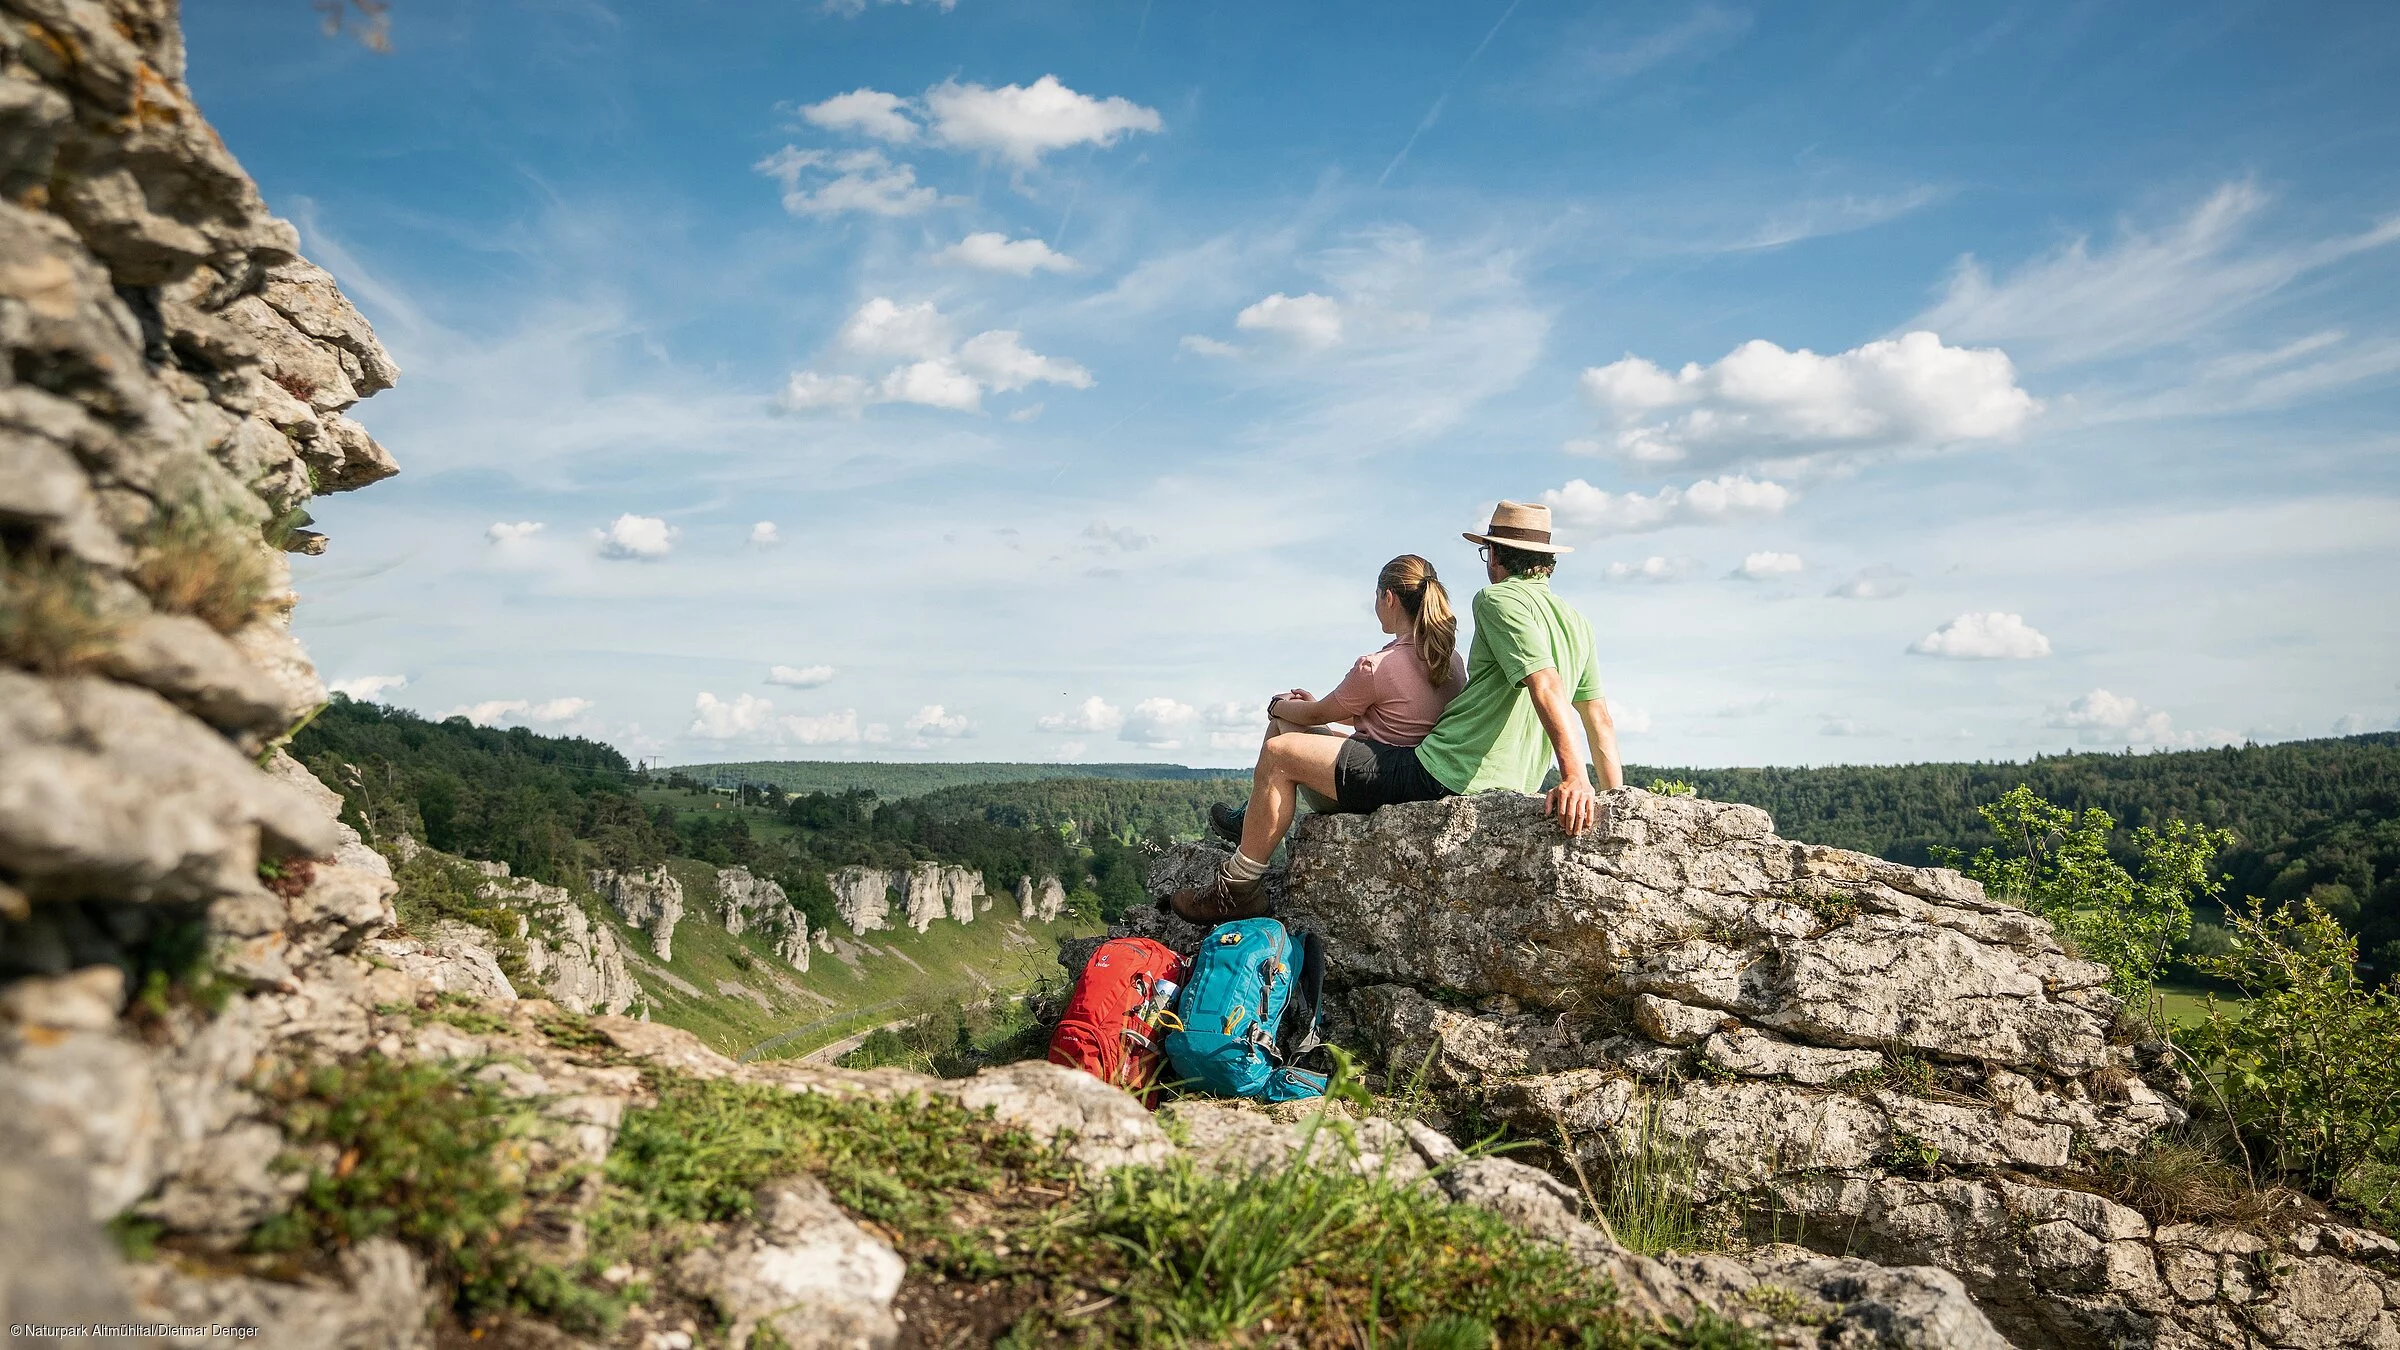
<point>1881,1060</point>
<point>577,963</point>
<point>755,904</point>
<point>1041,903</point>
<point>928,891</point>
<point>650,900</point>
<point>862,896</point>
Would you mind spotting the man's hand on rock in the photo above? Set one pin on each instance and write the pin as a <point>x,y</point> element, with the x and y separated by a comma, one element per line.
<point>1574,803</point>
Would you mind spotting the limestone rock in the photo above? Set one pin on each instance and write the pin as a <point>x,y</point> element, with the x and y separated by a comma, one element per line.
<point>1671,1023</point>
<point>755,903</point>
<point>198,670</point>
<point>1110,1128</point>
<point>61,1269</point>
<point>456,958</point>
<point>1755,1054</point>
<point>380,1303</point>
<point>1042,902</point>
<point>578,963</point>
<point>109,790</point>
<point>651,900</point>
<point>933,890</point>
<point>803,1268</point>
<point>862,897</point>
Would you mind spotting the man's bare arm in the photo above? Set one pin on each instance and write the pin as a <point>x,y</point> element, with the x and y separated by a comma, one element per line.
<point>1572,801</point>
<point>1600,732</point>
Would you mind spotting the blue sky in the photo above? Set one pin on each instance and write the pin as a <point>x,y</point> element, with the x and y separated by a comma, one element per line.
<point>1049,380</point>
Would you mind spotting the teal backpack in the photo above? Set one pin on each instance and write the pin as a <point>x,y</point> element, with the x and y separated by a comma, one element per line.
<point>1232,1013</point>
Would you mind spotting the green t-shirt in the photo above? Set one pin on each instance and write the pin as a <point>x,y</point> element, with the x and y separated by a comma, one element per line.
<point>1490,736</point>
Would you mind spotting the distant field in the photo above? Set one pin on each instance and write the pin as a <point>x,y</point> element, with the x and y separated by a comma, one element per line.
<point>2185,1007</point>
<point>892,781</point>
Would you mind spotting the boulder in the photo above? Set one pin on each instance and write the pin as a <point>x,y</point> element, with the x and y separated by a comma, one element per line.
<point>1042,902</point>
<point>578,963</point>
<point>752,903</point>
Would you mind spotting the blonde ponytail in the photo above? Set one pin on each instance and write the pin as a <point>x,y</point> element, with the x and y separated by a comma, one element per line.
<point>1433,625</point>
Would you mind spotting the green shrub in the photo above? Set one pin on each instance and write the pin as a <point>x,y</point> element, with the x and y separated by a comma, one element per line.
<point>2310,1067</point>
<point>434,888</point>
<point>2056,863</point>
<point>208,563</point>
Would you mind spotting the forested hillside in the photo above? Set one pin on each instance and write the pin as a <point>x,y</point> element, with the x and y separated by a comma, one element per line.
<point>1092,808</point>
<point>553,806</point>
<point>2315,817</point>
<point>894,781</point>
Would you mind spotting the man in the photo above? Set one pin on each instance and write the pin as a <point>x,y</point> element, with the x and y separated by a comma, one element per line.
<point>1531,660</point>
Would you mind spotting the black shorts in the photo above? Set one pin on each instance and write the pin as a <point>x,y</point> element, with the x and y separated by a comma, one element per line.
<point>1369,774</point>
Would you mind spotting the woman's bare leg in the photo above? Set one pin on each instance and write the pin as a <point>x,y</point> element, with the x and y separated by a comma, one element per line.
<point>1285,765</point>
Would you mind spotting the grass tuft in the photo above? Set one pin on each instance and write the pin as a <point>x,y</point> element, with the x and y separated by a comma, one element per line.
<point>209,564</point>
<point>1648,1192</point>
<point>50,621</point>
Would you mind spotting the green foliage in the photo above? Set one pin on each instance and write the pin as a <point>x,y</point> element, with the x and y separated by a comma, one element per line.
<point>421,1153</point>
<point>2056,862</point>
<point>1647,1193</point>
<point>1094,808</point>
<point>534,802</point>
<point>2304,813</point>
<point>1210,1256</point>
<point>1672,787</point>
<point>434,888</point>
<point>2310,1068</point>
<point>956,1038</point>
<point>1912,1156</point>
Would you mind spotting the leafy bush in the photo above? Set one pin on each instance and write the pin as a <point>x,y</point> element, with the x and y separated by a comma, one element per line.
<point>434,888</point>
<point>2310,1068</point>
<point>2056,862</point>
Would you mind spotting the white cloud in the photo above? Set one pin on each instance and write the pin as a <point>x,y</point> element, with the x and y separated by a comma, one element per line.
<point>1159,723</point>
<point>1027,413</point>
<point>746,717</point>
<point>1629,721</point>
<point>1021,123</point>
<point>1310,320</point>
<point>2115,718</point>
<point>1880,582</point>
<point>765,535</point>
<point>932,384</point>
<point>884,327</point>
<point>800,677</point>
<point>933,722</point>
<point>991,251</point>
<point>1653,568</point>
<point>937,374</point>
<point>868,112</point>
<point>2357,724</point>
<point>1092,716</point>
<point>512,532</point>
<point>1984,636</point>
<point>838,728</point>
<point>2149,290</point>
<point>1208,346</point>
<point>549,712</point>
<point>828,183</point>
<point>1069,751</point>
<point>1910,391</point>
<point>1822,216</point>
<point>809,391</point>
<point>1002,361</point>
<point>643,538</point>
<point>1245,717</point>
<point>1843,726</point>
<point>1761,566</point>
<point>368,688</point>
<point>1586,509</point>
<point>1106,538</point>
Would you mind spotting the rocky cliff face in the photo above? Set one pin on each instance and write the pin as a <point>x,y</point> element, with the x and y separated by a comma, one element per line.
<point>1881,1060</point>
<point>928,891</point>
<point>577,963</point>
<point>754,904</point>
<point>649,900</point>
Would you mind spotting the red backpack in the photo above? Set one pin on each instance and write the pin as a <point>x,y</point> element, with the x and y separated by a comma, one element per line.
<point>1110,1029</point>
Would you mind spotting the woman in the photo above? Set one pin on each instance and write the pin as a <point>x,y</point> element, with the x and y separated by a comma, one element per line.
<point>1392,696</point>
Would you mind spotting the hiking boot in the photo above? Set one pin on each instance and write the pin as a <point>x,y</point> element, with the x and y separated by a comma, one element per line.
<point>1226,821</point>
<point>1222,900</point>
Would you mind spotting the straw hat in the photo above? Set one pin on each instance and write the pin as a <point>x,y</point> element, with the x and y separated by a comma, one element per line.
<point>1520,526</point>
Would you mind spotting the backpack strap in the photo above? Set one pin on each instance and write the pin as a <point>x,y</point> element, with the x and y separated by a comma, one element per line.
<point>1311,988</point>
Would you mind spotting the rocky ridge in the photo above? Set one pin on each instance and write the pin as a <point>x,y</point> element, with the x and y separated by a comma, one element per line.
<point>1877,1061</point>
<point>862,896</point>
